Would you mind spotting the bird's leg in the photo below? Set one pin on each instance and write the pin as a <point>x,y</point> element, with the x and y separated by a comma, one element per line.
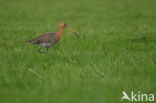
<point>47,49</point>
<point>39,50</point>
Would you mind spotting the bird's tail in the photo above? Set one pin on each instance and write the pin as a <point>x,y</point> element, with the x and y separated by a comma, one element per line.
<point>28,41</point>
<point>31,41</point>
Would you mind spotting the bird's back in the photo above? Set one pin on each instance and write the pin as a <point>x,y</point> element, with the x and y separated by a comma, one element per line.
<point>48,38</point>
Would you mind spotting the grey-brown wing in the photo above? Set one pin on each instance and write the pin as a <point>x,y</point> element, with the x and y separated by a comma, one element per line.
<point>44,38</point>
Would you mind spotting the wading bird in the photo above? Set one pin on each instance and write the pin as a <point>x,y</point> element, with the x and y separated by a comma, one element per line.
<point>50,38</point>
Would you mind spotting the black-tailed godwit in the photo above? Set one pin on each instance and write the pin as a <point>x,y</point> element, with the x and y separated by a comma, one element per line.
<point>50,38</point>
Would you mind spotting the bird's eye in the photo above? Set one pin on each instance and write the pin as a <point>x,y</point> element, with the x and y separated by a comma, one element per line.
<point>65,25</point>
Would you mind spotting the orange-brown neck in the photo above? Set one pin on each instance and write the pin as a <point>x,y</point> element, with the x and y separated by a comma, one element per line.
<point>60,30</point>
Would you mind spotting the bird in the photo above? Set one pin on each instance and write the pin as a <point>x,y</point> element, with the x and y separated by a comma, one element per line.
<point>49,39</point>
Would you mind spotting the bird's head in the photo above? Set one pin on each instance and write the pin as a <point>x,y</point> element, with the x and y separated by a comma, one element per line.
<point>64,25</point>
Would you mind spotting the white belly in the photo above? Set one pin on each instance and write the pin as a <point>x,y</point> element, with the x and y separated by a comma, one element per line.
<point>45,44</point>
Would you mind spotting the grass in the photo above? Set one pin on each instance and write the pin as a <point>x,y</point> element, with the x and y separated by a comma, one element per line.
<point>115,51</point>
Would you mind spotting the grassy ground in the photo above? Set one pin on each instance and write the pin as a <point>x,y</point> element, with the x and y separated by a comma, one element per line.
<point>116,50</point>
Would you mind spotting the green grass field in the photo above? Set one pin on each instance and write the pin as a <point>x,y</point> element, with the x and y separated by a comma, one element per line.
<point>116,50</point>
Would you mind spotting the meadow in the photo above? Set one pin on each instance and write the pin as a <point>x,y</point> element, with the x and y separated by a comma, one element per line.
<point>116,50</point>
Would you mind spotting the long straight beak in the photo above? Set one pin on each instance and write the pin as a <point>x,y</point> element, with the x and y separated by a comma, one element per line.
<point>72,31</point>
